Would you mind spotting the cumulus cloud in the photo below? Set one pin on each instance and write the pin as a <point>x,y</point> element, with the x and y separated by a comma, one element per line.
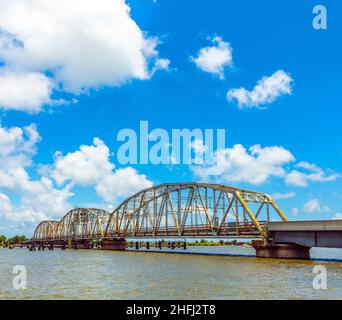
<point>91,166</point>
<point>48,196</point>
<point>215,58</point>
<point>314,206</point>
<point>312,173</point>
<point>160,64</point>
<point>121,183</point>
<point>37,199</point>
<point>17,147</point>
<point>36,205</point>
<point>199,148</point>
<point>337,216</point>
<point>267,90</point>
<point>79,44</point>
<point>26,91</point>
<point>84,166</point>
<point>11,213</point>
<point>255,165</point>
<point>294,211</point>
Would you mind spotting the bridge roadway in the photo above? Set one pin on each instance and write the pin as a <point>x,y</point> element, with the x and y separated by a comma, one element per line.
<point>191,210</point>
<point>296,238</point>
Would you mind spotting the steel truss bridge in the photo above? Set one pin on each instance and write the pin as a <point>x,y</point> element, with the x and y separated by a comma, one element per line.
<point>190,210</point>
<point>170,210</point>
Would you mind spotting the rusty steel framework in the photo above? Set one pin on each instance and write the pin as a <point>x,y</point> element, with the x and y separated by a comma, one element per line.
<point>77,224</point>
<point>82,223</point>
<point>45,231</point>
<point>170,210</point>
<point>193,210</point>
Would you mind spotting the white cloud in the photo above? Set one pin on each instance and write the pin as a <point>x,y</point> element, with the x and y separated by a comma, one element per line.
<point>337,216</point>
<point>160,64</point>
<point>121,183</point>
<point>42,197</point>
<point>91,166</point>
<point>267,90</point>
<point>215,58</point>
<point>25,91</point>
<point>37,199</point>
<point>313,174</point>
<point>314,205</point>
<point>294,211</point>
<point>255,165</point>
<point>17,146</point>
<point>287,195</point>
<point>17,141</point>
<point>43,203</point>
<point>84,166</point>
<point>199,148</point>
<point>80,44</point>
<point>10,213</point>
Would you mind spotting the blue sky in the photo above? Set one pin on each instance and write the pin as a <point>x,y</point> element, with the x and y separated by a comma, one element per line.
<point>263,37</point>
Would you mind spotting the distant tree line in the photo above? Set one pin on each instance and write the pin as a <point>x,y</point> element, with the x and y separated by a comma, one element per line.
<point>14,240</point>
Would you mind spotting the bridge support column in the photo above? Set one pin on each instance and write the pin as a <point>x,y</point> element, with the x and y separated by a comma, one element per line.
<point>63,245</point>
<point>280,250</point>
<point>113,244</point>
<point>75,245</point>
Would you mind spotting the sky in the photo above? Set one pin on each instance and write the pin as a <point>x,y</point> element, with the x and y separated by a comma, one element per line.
<point>73,73</point>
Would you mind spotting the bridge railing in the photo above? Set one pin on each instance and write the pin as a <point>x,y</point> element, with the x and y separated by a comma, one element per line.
<point>230,229</point>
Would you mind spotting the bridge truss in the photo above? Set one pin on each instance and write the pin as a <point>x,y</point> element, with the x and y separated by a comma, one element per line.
<point>193,210</point>
<point>170,210</point>
<point>77,224</point>
<point>45,231</point>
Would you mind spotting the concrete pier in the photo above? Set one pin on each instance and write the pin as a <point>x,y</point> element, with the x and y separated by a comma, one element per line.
<point>113,244</point>
<point>266,249</point>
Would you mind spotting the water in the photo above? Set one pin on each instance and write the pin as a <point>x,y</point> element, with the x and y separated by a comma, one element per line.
<point>95,274</point>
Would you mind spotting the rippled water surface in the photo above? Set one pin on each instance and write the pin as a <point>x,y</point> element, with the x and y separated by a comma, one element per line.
<point>94,274</point>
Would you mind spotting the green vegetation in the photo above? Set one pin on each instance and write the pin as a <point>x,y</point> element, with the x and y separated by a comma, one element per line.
<point>2,239</point>
<point>216,243</point>
<point>14,240</point>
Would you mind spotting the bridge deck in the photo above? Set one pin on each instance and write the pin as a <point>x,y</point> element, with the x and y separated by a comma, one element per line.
<point>310,225</point>
<point>319,233</point>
